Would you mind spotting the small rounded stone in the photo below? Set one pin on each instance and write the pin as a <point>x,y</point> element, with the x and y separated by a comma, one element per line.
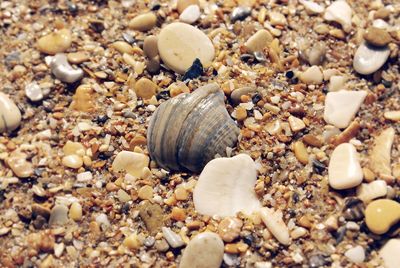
<point>258,41</point>
<point>179,44</point>
<point>75,211</point>
<point>72,161</point>
<point>122,47</point>
<point>181,194</point>
<point>77,57</point>
<point>145,192</point>
<point>178,214</point>
<point>150,47</point>
<point>145,88</point>
<point>55,42</point>
<point>377,37</point>
<point>241,113</point>
<point>181,5</point>
<point>132,242</point>
<point>143,22</point>
<point>19,165</point>
<point>300,151</point>
<point>10,116</point>
<point>382,214</point>
<point>229,228</point>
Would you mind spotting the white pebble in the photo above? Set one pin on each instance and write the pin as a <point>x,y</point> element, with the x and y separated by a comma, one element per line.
<point>312,75</point>
<point>33,92</point>
<point>369,59</point>
<point>173,239</point>
<point>312,7</point>
<point>355,254</point>
<point>190,14</point>
<point>336,82</point>
<point>273,220</point>
<point>340,12</point>
<point>226,186</point>
<point>344,170</point>
<point>369,191</point>
<point>131,162</point>
<point>341,106</point>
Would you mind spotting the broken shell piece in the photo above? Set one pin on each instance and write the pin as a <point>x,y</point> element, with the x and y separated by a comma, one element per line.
<point>131,162</point>
<point>273,220</point>
<point>341,106</point>
<point>226,186</point>
<point>369,191</point>
<point>188,131</point>
<point>380,153</point>
<point>340,12</point>
<point>63,71</point>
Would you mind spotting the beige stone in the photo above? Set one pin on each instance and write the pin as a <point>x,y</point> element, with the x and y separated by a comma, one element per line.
<point>179,44</point>
<point>377,37</point>
<point>77,57</point>
<point>312,75</point>
<point>145,192</point>
<point>392,115</point>
<point>382,214</point>
<point>143,22</point>
<point>83,99</point>
<point>10,116</point>
<point>55,42</point>
<point>18,164</point>
<point>296,124</point>
<point>123,47</point>
<point>75,211</point>
<point>72,161</point>
<point>145,88</point>
<point>131,162</point>
<point>258,41</point>
<point>71,147</point>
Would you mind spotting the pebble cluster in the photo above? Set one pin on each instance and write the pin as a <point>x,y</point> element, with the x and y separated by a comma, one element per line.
<point>193,133</point>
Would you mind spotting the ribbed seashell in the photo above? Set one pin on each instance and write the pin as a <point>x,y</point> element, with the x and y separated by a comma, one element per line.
<point>189,130</point>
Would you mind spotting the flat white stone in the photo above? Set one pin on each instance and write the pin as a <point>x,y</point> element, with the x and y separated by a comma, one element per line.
<point>355,254</point>
<point>344,170</point>
<point>191,14</point>
<point>312,75</point>
<point>226,186</point>
<point>341,107</point>
<point>340,12</point>
<point>179,44</point>
<point>131,162</point>
<point>273,220</point>
<point>368,59</point>
<point>312,7</point>
<point>390,253</point>
<point>205,250</point>
<point>369,191</point>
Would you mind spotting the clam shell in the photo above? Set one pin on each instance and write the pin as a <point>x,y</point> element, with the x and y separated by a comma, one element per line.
<point>188,131</point>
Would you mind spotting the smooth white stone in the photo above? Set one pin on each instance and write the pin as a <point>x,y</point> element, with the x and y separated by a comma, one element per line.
<point>380,23</point>
<point>190,14</point>
<point>368,59</point>
<point>226,186</point>
<point>341,107</point>
<point>10,116</point>
<point>340,12</point>
<point>275,224</point>
<point>58,215</point>
<point>173,239</point>
<point>356,254</point>
<point>33,92</point>
<point>204,250</point>
<point>390,253</point>
<point>336,82</point>
<point>312,75</point>
<point>344,169</point>
<point>312,7</point>
<point>369,191</point>
<point>131,162</point>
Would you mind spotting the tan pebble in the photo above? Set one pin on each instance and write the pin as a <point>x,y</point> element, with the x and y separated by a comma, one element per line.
<point>377,37</point>
<point>181,194</point>
<point>145,88</point>
<point>178,214</point>
<point>382,13</point>
<point>312,140</point>
<point>122,47</point>
<point>231,248</point>
<point>296,124</point>
<point>392,115</point>
<point>77,57</point>
<point>150,47</point>
<point>229,228</point>
<point>241,113</point>
<point>132,242</point>
<point>10,115</point>
<point>337,33</point>
<point>73,148</point>
<point>72,161</point>
<point>145,192</point>
<point>181,5</point>
<point>312,75</point>
<point>131,162</point>
<point>381,214</point>
<point>18,164</point>
<point>369,175</point>
<point>75,211</point>
<point>129,59</point>
<point>83,99</point>
<point>111,187</point>
<point>298,232</point>
<point>300,151</point>
<point>123,196</point>
<point>277,18</point>
<point>305,222</point>
<point>258,41</point>
<point>55,42</point>
<point>178,88</point>
<point>143,22</point>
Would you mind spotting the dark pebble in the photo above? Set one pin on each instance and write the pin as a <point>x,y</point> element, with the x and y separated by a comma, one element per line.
<point>256,98</point>
<point>318,166</point>
<point>289,74</point>
<point>240,13</point>
<point>194,71</point>
<point>353,209</point>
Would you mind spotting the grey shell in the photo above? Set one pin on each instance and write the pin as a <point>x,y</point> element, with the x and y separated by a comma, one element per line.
<point>188,131</point>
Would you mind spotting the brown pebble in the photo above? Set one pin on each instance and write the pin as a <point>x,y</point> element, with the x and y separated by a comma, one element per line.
<point>312,140</point>
<point>382,13</point>
<point>153,65</point>
<point>150,47</point>
<point>152,215</point>
<point>178,214</point>
<point>241,113</point>
<point>377,37</point>
<point>145,88</point>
